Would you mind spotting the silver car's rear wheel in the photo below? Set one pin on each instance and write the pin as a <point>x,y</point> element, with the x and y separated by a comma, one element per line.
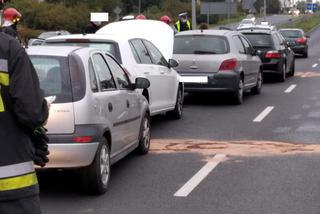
<point>238,94</point>
<point>95,178</point>
<point>144,136</point>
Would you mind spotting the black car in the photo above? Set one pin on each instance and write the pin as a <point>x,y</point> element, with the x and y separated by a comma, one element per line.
<point>297,40</point>
<point>273,50</point>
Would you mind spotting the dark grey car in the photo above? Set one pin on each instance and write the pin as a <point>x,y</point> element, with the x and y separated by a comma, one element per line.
<point>217,61</point>
<point>296,39</point>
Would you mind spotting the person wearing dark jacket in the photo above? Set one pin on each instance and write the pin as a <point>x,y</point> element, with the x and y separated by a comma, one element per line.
<point>92,27</point>
<point>23,109</point>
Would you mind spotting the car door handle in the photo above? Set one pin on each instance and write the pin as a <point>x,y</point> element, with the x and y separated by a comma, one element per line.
<point>194,67</point>
<point>110,107</point>
<point>147,72</point>
<point>128,104</point>
<point>162,72</point>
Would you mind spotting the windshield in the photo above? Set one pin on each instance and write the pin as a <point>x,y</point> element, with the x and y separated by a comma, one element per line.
<point>106,46</point>
<point>54,76</point>
<point>259,40</point>
<point>200,44</point>
<point>291,33</point>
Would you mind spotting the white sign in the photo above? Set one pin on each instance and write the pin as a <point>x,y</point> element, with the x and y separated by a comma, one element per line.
<point>99,17</point>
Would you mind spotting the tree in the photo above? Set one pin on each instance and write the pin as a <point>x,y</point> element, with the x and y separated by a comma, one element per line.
<point>301,6</point>
<point>273,6</point>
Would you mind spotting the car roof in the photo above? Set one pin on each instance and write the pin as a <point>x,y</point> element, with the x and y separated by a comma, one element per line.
<point>295,29</point>
<point>91,37</point>
<point>54,50</point>
<point>206,32</point>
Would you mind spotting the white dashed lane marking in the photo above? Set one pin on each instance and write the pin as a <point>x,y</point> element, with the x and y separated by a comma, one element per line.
<point>263,114</point>
<point>290,89</point>
<point>186,189</point>
<point>315,65</point>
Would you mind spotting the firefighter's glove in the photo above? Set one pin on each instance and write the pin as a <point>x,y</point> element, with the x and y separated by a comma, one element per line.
<point>40,141</point>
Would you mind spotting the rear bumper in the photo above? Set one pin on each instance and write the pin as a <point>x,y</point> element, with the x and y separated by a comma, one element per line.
<point>272,67</point>
<point>300,49</point>
<point>225,81</point>
<point>71,155</point>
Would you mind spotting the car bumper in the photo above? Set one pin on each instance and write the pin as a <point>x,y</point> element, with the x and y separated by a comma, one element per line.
<point>225,81</point>
<point>272,67</point>
<point>71,155</point>
<point>300,49</point>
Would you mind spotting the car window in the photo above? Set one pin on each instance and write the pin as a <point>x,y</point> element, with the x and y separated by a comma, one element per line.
<point>104,75</point>
<point>118,72</point>
<point>110,47</point>
<point>93,78</point>
<point>238,44</point>
<point>156,55</point>
<point>276,40</point>
<point>245,43</point>
<point>141,51</point>
<point>200,44</point>
<point>54,76</point>
<point>291,33</point>
<point>259,40</point>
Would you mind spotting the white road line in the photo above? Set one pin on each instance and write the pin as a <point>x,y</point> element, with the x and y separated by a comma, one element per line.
<point>290,89</point>
<point>186,189</point>
<point>263,114</point>
<point>315,65</point>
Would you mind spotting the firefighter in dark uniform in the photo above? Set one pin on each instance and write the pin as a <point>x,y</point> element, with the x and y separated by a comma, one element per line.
<point>23,110</point>
<point>11,18</point>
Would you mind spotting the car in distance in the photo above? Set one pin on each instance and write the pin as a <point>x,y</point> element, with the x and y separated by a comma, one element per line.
<point>276,56</point>
<point>248,22</point>
<point>44,35</point>
<point>144,48</point>
<point>296,39</point>
<point>217,61</point>
<point>97,116</point>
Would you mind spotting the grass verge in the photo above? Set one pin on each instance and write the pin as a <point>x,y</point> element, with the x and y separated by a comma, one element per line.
<point>306,22</point>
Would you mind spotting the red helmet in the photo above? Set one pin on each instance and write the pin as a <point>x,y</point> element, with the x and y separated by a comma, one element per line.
<point>165,19</point>
<point>11,14</point>
<point>141,16</point>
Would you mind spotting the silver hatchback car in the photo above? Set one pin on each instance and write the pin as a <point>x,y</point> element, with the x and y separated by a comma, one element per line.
<point>217,61</point>
<point>97,116</point>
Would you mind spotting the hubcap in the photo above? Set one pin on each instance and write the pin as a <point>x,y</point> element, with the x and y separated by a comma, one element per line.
<point>146,133</point>
<point>260,80</point>
<point>240,92</point>
<point>179,102</point>
<point>104,164</point>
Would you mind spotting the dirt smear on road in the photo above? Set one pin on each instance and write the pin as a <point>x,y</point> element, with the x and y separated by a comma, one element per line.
<point>307,74</point>
<point>232,148</point>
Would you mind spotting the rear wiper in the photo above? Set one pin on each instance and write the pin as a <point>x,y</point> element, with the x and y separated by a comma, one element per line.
<point>204,52</point>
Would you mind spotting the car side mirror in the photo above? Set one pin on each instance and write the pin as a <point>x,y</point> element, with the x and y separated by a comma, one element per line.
<point>307,36</point>
<point>141,83</point>
<point>173,63</point>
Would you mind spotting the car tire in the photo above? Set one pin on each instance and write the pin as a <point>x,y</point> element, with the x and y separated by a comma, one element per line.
<point>305,54</point>
<point>292,70</point>
<point>283,72</point>
<point>176,113</point>
<point>95,178</point>
<point>144,135</point>
<point>257,89</point>
<point>238,94</point>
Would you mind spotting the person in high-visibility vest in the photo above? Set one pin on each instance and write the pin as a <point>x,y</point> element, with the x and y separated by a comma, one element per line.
<point>23,109</point>
<point>183,23</point>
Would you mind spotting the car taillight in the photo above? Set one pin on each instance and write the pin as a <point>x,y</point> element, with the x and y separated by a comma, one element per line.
<point>301,40</point>
<point>82,139</point>
<point>229,64</point>
<point>273,54</point>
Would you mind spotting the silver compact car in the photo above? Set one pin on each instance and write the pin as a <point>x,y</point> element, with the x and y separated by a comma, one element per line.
<point>97,116</point>
<point>217,61</point>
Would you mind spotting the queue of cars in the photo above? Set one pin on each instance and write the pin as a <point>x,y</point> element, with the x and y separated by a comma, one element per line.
<point>105,86</point>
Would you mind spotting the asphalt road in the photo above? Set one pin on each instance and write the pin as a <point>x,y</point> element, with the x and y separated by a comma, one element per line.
<point>273,20</point>
<point>217,159</point>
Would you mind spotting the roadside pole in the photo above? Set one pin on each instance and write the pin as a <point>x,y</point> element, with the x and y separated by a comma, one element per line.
<point>194,24</point>
<point>264,10</point>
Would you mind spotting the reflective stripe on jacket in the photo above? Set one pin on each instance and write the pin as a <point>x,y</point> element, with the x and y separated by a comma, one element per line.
<point>178,25</point>
<point>22,109</point>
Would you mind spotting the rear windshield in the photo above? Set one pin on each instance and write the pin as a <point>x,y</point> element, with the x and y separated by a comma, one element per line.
<point>200,44</point>
<point>259,40</point>
<point>54,77</point>
<point>291,33</point>
<point>106,46</point>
